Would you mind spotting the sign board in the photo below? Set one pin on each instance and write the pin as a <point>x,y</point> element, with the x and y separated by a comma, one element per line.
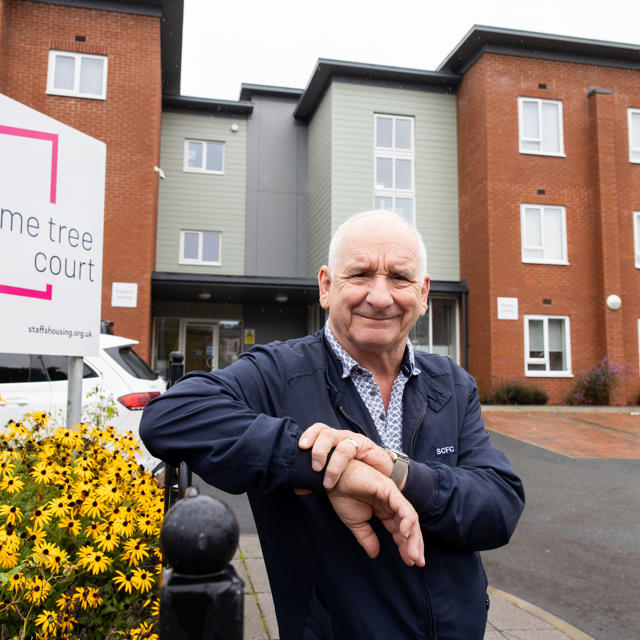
<point>51,222</point>
<point>124,294</point>
<point>507,308</point>
<point>249,336</point>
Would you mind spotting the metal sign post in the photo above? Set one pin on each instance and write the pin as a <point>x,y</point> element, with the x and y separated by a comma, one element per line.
<point>74,390</point>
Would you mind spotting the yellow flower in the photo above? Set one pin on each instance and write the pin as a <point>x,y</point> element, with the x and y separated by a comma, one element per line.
<point>39,417</point>
<point>56,559</point>
<point>36,590</point>
<point>42,473</point>
<point>123,581</point>
<point>147,525</point>
<point>13,513</point>
<point>123,527</point>
<point>40,517</point>
<point>142,580</point>
<point>42,552</point>
<point>94,529</point>
<point>11,484</point>
<point>107,541</point>
<point>58,507</point>
<point>143,632</point>
<point>8,558</point>
<point>92,597</point>
<point>9,538</point>
<point>135,551</point>
<point>95,561</point>
<point>6,467</point>
<point>36,534</point>
<point>46,620</point>
<point>70,524</point>
<point>92,507</point>
<point>110,492</point>
<point>16,581</point>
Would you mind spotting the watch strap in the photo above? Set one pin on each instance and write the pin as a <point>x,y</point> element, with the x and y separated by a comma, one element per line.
<point>400,465</point>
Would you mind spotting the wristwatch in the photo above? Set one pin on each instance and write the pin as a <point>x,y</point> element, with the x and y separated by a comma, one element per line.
<point>400,465</point>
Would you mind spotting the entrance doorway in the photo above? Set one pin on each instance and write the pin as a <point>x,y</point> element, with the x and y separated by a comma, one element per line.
<point>206,343</point>
<point>199,340</point>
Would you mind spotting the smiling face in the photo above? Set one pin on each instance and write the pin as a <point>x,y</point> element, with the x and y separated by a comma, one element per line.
<point>374,296</point>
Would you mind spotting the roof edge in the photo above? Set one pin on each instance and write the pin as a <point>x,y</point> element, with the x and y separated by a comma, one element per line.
<point>482,38</point>
<point>248,90</point>
<point>191,103</point>
<point>326,69</point>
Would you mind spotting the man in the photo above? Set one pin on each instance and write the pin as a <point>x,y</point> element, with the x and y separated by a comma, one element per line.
<point>381,541</point>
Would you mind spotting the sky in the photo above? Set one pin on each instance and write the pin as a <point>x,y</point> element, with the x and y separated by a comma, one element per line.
<point>278,42</point>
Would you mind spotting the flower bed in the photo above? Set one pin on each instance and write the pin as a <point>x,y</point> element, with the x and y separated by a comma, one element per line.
<point>79,531</point>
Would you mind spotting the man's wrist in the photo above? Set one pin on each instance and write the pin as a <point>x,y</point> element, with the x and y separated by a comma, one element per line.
<point>400,467</point>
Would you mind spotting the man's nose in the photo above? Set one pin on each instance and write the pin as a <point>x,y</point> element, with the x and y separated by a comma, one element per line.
<point>379,293</point>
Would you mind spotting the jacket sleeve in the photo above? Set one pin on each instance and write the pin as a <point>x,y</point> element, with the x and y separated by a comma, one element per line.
<point>475,504</point>
<point>224,425</point>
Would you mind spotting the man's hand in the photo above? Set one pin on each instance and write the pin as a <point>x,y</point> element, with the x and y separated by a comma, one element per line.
<point>361,493</point>
<point>347,446</point>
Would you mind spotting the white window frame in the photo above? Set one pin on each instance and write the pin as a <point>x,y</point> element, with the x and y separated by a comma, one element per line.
<point>521,137</point>
<point>199,260</point>
<point>202,169</point>
<point>75,92</point>
<point>634,152</point>
<point>394,154</point>
<point>542,207</point>
<point>546,373</point>
<point>636,236</point>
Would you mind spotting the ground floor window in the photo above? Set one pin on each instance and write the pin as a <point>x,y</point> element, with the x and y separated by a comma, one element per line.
<point>438,331</point>
<point>207,344</point>
<point>547,346</point>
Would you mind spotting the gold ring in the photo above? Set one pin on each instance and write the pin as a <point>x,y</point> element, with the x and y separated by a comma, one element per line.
<point>354,443</point>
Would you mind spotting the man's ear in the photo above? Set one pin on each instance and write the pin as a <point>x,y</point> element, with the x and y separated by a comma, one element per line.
<point>324,284</point>
<point>424,295</point>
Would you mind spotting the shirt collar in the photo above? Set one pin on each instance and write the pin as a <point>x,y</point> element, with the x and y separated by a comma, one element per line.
<point>348,363</point>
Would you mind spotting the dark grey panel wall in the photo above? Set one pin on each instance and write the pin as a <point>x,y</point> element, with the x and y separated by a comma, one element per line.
<point>275,241</point>
<point>276,322</point>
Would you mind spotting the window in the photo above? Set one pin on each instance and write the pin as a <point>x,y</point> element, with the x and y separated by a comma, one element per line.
<point>636,236</point>
<point>203,157</point>
<point>77,74</point>
<point>546,344</point>
<point>544,234</point>
<point>437,331</point>
<point>393,188</point>
<point>200,247</point>
<point>634,135</point>
<point>540,126</point>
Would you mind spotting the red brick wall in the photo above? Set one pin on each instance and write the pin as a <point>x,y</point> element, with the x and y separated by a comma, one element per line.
<point>596,183</point>
<point>128,121</point>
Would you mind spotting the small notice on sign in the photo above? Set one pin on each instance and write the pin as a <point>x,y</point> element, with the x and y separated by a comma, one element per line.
<point>249,336</point>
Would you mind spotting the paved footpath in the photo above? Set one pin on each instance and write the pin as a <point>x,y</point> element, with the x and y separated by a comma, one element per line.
<point>509,617</point>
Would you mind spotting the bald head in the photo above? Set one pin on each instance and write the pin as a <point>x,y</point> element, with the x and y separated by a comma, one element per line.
<point>374,218</point>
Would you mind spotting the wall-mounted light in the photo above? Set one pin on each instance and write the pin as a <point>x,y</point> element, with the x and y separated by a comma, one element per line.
<point>614,302</point>
<point>282,297</point>
<point>204,295</point>
<point>160,172</point>
<point>234,127</point>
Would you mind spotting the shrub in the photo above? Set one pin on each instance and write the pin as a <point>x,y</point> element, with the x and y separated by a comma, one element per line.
<point>596,386</point>
<point>519,393</point>
<point>79,529</point>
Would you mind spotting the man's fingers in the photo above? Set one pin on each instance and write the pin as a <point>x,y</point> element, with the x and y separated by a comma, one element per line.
<point>343,453</point>
<point>308,438</point>
<point>366,538</point>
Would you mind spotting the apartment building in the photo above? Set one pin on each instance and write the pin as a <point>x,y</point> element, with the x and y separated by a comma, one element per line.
<point>517,159</point>
<point>96,66</point>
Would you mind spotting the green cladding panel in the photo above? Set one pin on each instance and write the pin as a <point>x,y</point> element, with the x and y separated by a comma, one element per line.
<point>202,201</point>
<point>341,151</point>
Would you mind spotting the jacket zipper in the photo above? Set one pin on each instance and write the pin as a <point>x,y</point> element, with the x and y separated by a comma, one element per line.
<point>422,571</point>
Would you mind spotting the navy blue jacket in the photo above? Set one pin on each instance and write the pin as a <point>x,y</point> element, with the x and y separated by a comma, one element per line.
<point>238,428</point>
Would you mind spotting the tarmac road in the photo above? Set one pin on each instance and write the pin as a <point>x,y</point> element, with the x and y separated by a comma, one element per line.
<point>576,551</point>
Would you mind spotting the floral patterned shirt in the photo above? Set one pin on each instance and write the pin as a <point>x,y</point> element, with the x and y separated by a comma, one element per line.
<point>389,423</point>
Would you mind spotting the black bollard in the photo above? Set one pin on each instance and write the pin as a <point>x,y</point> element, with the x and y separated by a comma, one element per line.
<point>201,596</point>
<point>176,367</point>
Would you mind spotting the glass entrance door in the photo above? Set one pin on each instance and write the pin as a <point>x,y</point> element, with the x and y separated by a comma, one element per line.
<point>200,339</point>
